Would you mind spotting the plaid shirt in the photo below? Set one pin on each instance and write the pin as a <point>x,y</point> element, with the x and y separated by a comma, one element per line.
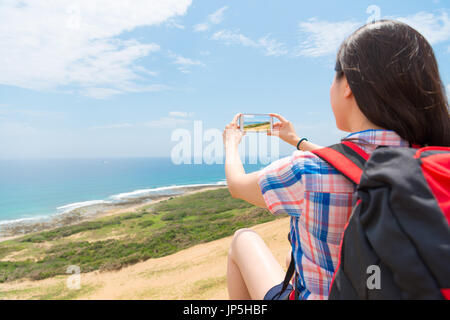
<point>319,200</point>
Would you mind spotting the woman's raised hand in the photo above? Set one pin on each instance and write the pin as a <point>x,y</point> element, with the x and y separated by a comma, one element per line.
<point>232,135</point>
<point>285,130</point>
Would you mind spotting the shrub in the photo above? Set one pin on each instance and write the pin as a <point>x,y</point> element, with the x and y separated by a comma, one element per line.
<point>146,223</point>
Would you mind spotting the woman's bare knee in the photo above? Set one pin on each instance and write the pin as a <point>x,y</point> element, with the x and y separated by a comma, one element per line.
<point>241,236</point>
<point>240,232</point>
<point>258,268</point>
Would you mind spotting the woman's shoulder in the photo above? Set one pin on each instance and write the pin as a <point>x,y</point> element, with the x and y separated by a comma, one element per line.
<point>305,169</point>
<point>318,175</point>
<point>299,160</point>
<point>298,164</point>
<point>310,163</point>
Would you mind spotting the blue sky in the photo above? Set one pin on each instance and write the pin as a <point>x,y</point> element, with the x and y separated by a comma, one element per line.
<point>115,78</point>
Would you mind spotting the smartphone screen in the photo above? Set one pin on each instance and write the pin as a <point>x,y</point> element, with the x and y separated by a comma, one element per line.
<point>256,123</point>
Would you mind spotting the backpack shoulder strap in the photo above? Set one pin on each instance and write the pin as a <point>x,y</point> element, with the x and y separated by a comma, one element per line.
<point>289,273</point>
<point>347,158</point>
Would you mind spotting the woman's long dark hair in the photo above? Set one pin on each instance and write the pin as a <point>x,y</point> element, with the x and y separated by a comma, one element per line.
<point>393,73</point>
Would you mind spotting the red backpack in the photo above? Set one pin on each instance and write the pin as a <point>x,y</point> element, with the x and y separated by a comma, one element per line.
<point>399,230</point>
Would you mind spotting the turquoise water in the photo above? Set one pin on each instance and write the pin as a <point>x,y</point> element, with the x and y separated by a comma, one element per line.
<point>40,188</point>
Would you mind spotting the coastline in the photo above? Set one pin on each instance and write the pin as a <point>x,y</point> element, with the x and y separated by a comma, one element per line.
<point>17,229</point>
<point>111,243</point>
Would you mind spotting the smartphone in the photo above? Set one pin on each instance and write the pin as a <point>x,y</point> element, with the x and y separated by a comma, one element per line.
<point>256,123</point>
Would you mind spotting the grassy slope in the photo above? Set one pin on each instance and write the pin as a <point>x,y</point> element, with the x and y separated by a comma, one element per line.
<point>114,242</point>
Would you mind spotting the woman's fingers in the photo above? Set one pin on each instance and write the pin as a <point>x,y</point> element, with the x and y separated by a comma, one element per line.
<point>275,129</point>
<point>279,117</point>
<point>277,125</point>
<point>234,123</point>
<point>236,118</point>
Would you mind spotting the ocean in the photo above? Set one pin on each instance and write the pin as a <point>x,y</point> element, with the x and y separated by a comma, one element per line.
<point>35,189</point>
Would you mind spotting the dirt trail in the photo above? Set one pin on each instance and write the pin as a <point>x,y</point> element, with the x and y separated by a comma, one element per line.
<point>195,273</point>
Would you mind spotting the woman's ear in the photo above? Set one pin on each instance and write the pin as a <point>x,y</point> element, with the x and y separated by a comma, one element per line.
<point>347,90</point>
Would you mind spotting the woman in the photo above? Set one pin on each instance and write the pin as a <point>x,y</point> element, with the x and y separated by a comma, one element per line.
<point>387,91</point>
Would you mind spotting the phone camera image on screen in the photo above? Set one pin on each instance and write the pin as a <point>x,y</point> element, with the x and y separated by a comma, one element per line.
<point>256,123</point>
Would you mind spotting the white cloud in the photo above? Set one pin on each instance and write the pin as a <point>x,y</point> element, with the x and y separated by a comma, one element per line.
<point>103,93</point>
<point>201,27</point>
<point>229,37</point>
<point>140,69</point>
<point>214,18</point>
<point>323,38</point>
<point>100,93</point>
<point>217,17</point>
<point>175,119</point>
<point>180,114</point>
<point>184,63</point>
<point>434,27</point>
<point>114,126</point>
<point>172,24</point>
<point>448,91</point>
<point>271,47</point>
<point>47,45</point>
